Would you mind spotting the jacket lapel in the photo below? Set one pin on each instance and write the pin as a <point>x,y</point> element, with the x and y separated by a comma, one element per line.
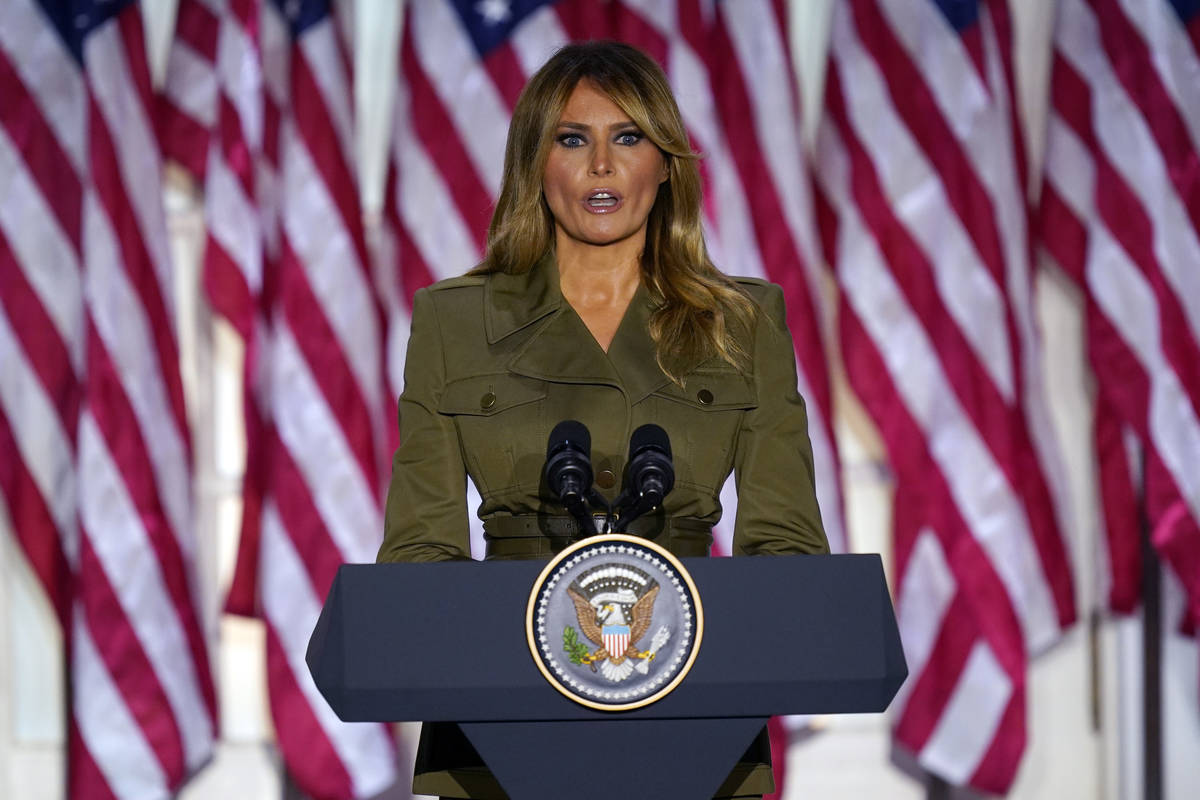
<point>632,350</point>
<point>562,349</point>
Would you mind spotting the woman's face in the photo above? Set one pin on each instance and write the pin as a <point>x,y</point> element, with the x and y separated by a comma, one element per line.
<point>602,174</point>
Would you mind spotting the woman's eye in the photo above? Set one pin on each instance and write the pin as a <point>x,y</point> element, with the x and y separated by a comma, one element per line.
<point>570,140</point>
<point>629,138</point>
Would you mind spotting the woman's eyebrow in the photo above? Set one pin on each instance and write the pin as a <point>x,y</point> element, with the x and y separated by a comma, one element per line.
<point>580,126</point>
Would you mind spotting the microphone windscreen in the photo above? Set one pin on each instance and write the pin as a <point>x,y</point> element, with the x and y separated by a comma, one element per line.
<point>572,433</point>
<point>650,436</point>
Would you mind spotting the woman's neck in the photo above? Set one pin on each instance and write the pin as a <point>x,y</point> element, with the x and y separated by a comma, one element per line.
<point>598,277</point>
<point>599,285</point>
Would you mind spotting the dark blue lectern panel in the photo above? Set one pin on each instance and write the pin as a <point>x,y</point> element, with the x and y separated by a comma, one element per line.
<point>782,635</point>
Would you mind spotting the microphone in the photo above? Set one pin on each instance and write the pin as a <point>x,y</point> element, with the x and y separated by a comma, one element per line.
<point>650,475</point>
<point>568,469</point>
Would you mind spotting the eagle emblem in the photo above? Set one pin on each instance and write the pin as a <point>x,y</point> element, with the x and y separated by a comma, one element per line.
<point>614,622</point>
<point>614,605</point>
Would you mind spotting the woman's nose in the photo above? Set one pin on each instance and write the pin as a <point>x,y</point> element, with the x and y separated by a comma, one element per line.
<point>601,160</point>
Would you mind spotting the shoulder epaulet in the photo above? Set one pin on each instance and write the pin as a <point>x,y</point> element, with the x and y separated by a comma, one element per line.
<point>748,281</point>
<point>762,291</point>
<point>459,282</point>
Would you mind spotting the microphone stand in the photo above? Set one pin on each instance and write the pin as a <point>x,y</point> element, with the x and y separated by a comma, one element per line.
<point>568,472</point>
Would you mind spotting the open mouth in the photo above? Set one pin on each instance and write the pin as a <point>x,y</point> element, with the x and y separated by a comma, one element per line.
<point>602,200</point>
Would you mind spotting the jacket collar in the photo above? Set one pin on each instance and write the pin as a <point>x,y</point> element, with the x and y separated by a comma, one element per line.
<point>563,349</point>
<point>513,301</point>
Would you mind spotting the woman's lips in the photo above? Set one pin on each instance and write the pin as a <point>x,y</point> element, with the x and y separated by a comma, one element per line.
<point>602,201</point>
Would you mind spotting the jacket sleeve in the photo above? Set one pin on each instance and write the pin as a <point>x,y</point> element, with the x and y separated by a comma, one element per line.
<point>426,518</point>
<point>777,510</point>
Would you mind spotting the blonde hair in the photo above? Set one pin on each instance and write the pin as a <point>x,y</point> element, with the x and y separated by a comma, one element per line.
<point>700,312</point>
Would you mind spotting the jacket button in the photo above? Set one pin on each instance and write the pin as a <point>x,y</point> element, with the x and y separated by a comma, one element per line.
<point>705,397</point>
<point>487,401</point>
<point>605,479</point>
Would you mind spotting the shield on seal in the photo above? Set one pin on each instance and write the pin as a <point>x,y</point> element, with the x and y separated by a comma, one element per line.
<point>616,640</point>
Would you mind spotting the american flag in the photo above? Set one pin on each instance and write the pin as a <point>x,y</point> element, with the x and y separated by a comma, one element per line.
<point>1121,215</point>
<point>462,67</point>
<point>265,89</point>
<point>919,158</point>
<point>96,475</point>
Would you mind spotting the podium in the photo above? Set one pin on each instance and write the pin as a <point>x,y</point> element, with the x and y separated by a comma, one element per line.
<point>447,642</point>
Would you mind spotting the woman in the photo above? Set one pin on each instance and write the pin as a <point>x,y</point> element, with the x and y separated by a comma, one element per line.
<point>596,301</point>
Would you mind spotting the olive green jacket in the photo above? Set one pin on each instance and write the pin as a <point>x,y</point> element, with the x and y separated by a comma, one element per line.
<point>495,362</point>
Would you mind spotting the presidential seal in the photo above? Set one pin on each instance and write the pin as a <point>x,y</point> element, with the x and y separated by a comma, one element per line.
<point>614,622</point>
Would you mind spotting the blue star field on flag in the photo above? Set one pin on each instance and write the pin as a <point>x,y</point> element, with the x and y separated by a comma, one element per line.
<point>490,22</point>
<point>75,19</point>
<point>302,14</point>
<point>961,14</point>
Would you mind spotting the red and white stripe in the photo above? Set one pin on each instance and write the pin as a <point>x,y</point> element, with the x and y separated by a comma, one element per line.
<point>919,161</point>
<point>214,121</point>
<point>1121,215</point>
<point>189,99</point>
<point>286,264</point>
<point>100,485</point>
<point>324,458</point>
<point>616,643</point>
<point>43,161</point>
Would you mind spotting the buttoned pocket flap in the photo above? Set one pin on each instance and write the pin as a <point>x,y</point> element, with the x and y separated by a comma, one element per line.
<point>484,395</point>
<point>713,391</point>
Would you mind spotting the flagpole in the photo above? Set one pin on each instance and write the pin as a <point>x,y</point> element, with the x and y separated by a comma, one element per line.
<point>1152,783</point>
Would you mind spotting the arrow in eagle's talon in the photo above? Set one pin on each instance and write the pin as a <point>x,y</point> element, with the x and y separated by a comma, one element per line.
<point>660,638</point>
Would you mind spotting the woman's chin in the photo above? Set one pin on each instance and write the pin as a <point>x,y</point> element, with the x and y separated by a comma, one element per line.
<point>601,236</point>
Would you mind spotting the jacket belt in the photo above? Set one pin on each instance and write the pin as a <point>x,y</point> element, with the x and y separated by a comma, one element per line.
<point>537,536</point>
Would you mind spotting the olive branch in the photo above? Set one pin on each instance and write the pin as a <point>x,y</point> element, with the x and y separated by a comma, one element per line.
<point>576,650</point>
